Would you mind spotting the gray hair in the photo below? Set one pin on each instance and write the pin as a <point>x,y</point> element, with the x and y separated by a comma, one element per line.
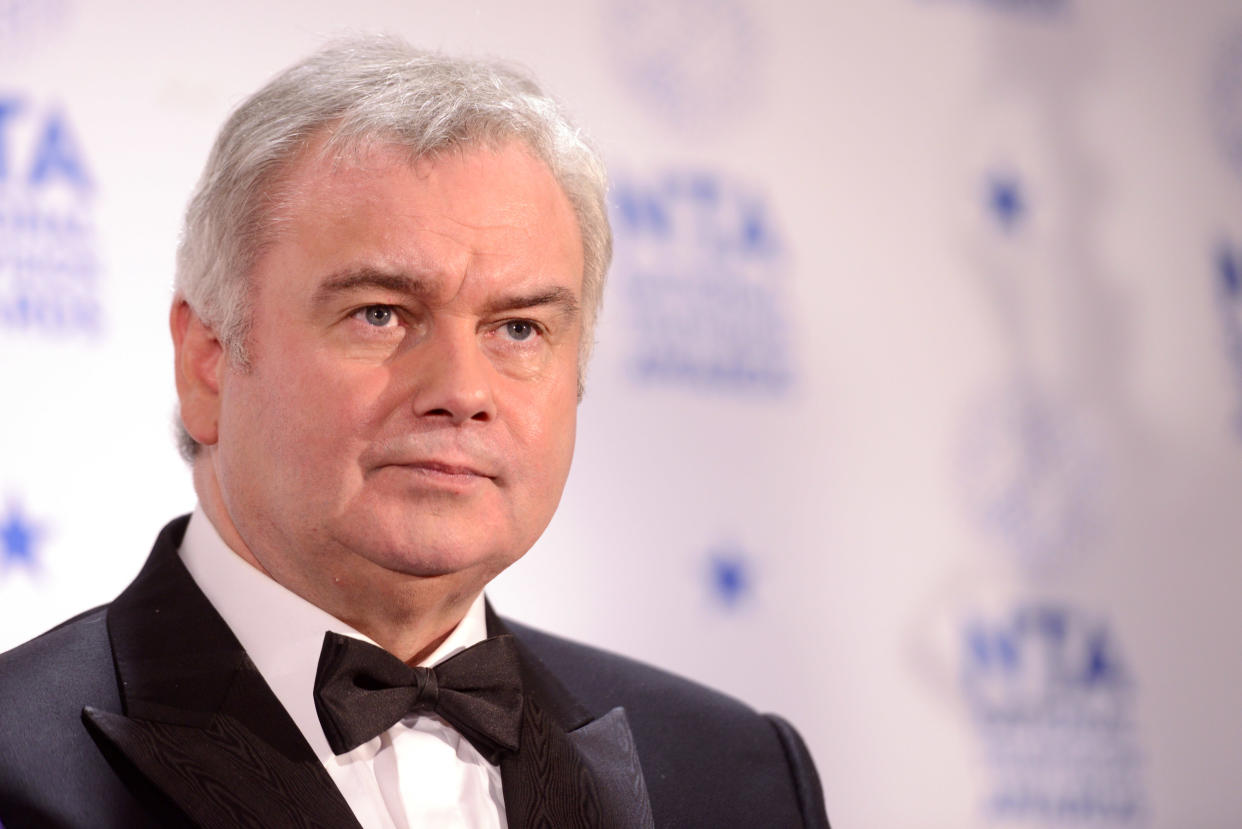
<point>362,90</point>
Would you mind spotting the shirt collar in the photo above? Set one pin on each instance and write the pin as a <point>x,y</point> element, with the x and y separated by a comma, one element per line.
<point>281,632</point>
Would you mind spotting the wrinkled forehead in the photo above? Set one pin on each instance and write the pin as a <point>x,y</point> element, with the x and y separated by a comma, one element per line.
<point>498,214</point>
<point>332,157</point>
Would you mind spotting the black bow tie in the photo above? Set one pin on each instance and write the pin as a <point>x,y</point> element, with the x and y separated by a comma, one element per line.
<point>361,690</point>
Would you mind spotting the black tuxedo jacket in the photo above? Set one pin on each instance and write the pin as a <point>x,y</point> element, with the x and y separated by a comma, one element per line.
<point>147,712</point>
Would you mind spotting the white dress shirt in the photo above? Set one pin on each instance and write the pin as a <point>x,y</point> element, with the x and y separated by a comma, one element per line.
<point>421,772</point>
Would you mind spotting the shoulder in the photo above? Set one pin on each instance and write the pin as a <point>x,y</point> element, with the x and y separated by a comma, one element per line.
<point>601,680</point>
<point>702,752</point>
<point>51,773</point>
<point>72,660</point>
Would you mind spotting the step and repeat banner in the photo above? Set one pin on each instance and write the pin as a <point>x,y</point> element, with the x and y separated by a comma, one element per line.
<point>916,414</point>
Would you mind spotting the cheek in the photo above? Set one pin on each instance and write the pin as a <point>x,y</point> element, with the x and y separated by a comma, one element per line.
<point>547,433</point>
<point>312,412</point>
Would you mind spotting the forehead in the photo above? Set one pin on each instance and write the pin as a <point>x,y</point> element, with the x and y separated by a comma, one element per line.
<point>495,212</point>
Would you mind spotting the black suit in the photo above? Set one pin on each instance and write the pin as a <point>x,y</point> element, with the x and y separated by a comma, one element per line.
<point>147,712</point>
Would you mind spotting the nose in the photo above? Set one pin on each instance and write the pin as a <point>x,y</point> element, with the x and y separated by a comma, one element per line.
<point>453,378</point>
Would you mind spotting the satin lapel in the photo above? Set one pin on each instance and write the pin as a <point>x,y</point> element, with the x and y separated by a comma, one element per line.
<point>572,770</point>
<point>199,722</point>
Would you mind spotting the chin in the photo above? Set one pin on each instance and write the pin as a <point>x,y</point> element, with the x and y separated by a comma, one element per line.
<point>437,551</point>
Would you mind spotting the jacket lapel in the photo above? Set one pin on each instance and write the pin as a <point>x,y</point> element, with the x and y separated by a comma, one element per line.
<point>199,722</point>
<point>201,726</point>
<point>572,770</point>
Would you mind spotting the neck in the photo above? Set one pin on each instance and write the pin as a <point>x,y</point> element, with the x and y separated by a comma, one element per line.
<point>409,616</point>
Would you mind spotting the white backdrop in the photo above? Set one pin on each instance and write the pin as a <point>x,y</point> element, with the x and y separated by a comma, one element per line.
<point>917,410</point>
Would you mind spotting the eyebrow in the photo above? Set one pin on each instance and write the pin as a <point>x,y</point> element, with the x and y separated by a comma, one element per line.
<point>351,280</point>
<point>367,277</point>
<point>558,296</point>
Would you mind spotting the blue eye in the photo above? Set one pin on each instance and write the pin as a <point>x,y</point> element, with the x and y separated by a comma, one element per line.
<point>378,315</point>
<point>519,329</point>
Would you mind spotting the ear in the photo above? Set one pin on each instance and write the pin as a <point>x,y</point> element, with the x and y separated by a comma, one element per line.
<point>198,361</point>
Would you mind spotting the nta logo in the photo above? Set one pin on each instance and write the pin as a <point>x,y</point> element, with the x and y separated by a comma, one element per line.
<point>702,271</point>
<point>1051,699</point>
<point>48,267</point>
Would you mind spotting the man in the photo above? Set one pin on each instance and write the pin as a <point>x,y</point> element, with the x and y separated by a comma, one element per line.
<point>385,297</point>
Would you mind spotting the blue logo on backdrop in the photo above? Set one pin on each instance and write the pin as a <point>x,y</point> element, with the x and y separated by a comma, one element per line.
<point>49,271</point>
<point>702,273</point>
<point>1229,304</point>
<point>730,575</point>
<point>1226,99</point>
<point>695,64</point>
<point>19,539</point>
<point>1006,201</point>
<point>1030,477</point>
<point>1050,695</point>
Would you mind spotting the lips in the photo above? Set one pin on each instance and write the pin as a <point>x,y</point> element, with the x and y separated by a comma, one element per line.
<point>435,458</point>
<point>444,468</point>
<point>450,472</point>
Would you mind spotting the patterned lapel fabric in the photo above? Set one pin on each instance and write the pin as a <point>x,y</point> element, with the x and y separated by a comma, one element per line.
<point>199,722</point>
<point>572,770</point>
<point>585,778</point>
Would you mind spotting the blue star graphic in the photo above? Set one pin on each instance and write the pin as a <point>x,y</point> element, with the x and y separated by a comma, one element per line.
<point>730,577</point>
<point>18,538</point>
<point>1006,202</point>
<point>1230,272</point>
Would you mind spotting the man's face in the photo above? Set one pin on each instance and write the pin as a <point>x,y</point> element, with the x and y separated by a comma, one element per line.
<point>411,397</point>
